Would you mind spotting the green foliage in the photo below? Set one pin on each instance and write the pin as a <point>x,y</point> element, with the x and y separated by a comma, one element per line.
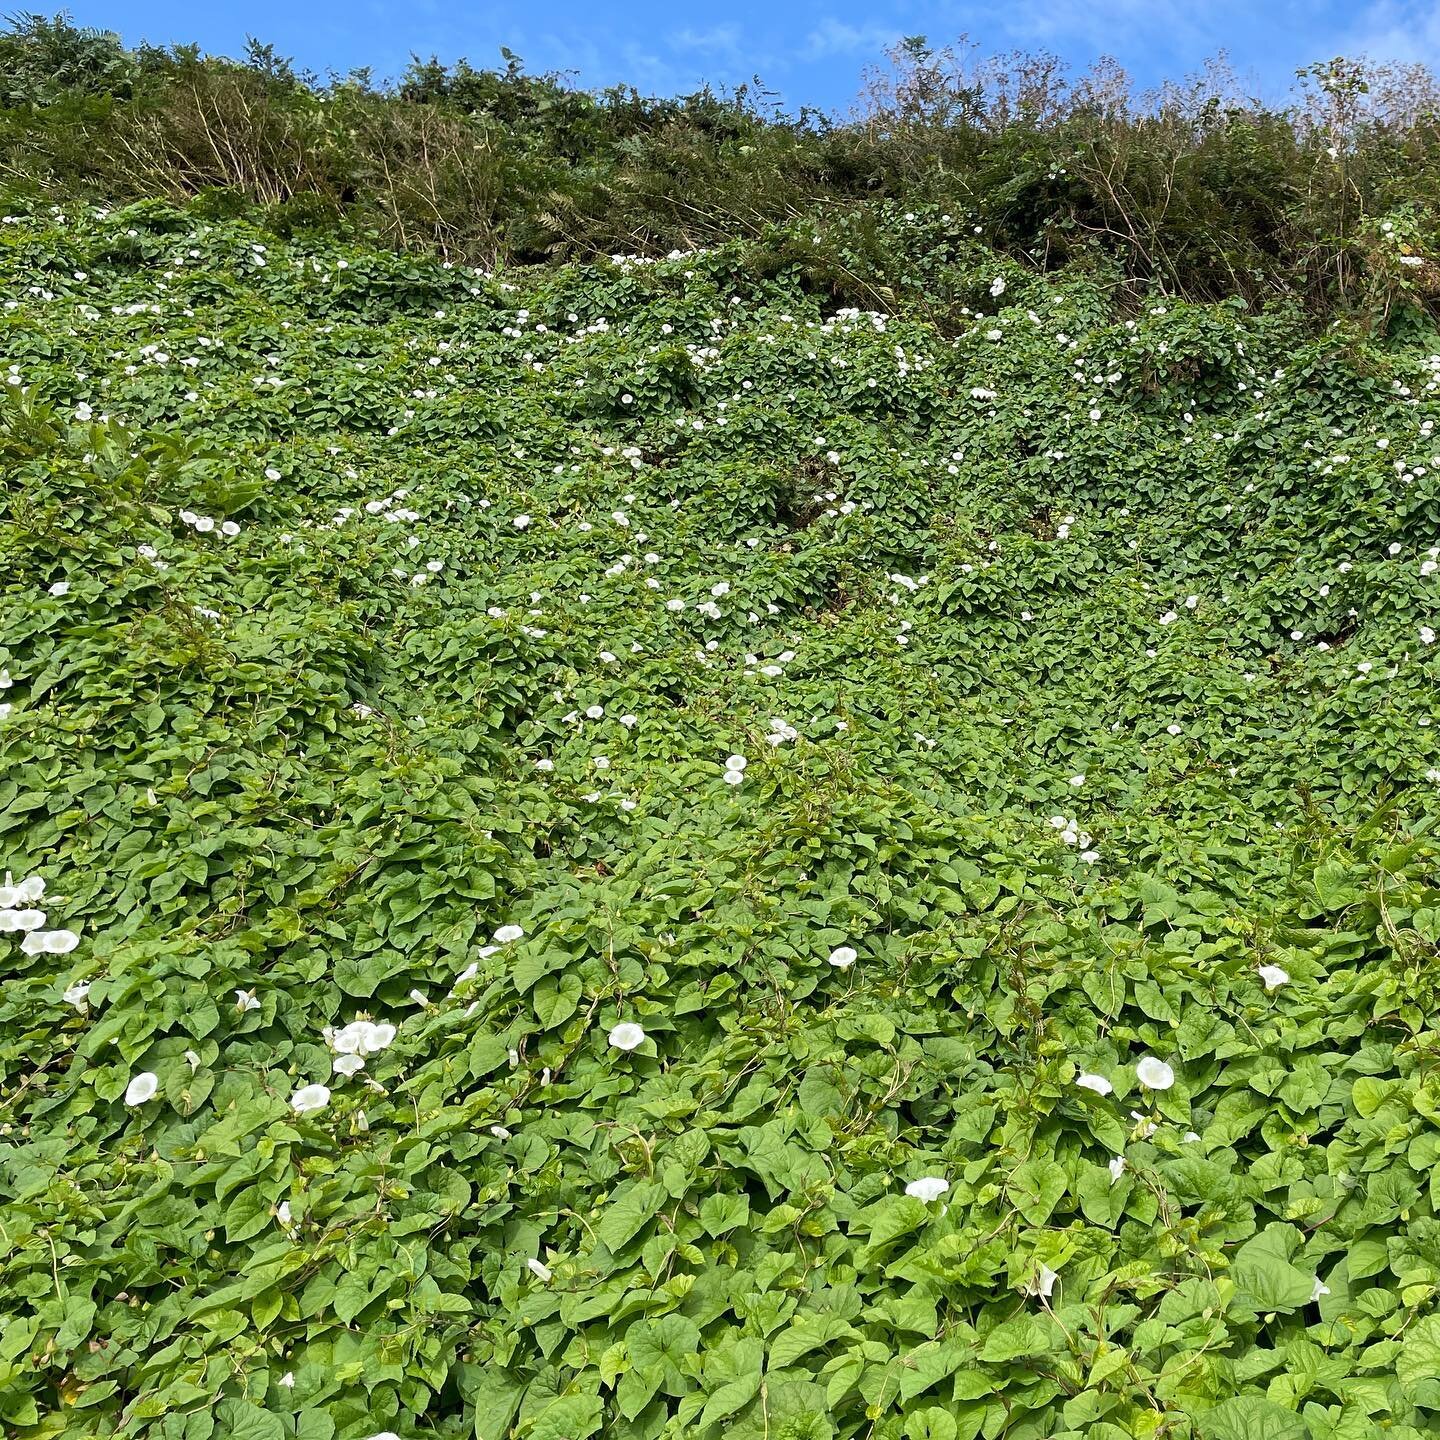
<point>378,634</point>
<point>1200,188</point>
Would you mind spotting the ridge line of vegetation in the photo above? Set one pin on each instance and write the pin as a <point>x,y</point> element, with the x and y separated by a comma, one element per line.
<point>1200,188</point>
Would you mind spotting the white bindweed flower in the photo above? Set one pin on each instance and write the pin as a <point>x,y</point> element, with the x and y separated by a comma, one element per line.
<point>627,1035</point>
<point>735,762</point>
<point>59,588</point>
<point>1043,1284</point>
<point>1318,1290</point>
<point>38,942</point>
<point>843,957</point>
<point>1274,976</point>
<point>77,995</point>
<point>347,1064</point>
<point>142,1087</point>
<point>361,1037</point>
<point>1154,1074</point>
<point>23,893</point>
<point>927,1188</point>
<point>21,919</point>
<point>1117,1168</point>
<point>60,942</point>
<point>246,1000</point>
<point>1098,1083</point>
<point>506,933</point>
<point>734,777</point>
<point>310,1098</point>
<point>541,1272</point>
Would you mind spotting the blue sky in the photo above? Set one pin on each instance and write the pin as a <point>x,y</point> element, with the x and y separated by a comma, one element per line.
<point>810,51</point>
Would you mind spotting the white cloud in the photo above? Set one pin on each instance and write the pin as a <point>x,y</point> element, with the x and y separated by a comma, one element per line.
<point>717,40</point>
<point>833,37</point>
<point>1391,30</point>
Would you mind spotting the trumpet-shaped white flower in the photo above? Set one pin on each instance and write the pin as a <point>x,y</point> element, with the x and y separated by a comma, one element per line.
<point>627,1035</point>
<point>246,1000</point>
<point>1117,1168</point>
<point>347,1064</point>
<point>77,995</point>
<point>843,957</point>
<point>310,1098</point>
<point>49,942</point>
<point>1043,1284</point>
<point>361,1037</point>
<point>540,1271</point>
<point>927,1188</point>
<point>507,933</point>
<point>1274,977</point>
<point>1154,1074</point>
<point>1318,1290</point>
<point>14,893</point>
<point>1098,1083</point>
<point>142,1087</point>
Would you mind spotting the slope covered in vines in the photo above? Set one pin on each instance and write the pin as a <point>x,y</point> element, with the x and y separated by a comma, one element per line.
<point>620,851</point>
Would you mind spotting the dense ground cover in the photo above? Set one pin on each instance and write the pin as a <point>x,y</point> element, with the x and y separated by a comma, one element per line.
<point>721,762</point>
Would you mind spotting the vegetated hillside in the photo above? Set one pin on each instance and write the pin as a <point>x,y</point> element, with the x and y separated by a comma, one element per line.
<point>879,877</point>
<point>1326,196</point>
